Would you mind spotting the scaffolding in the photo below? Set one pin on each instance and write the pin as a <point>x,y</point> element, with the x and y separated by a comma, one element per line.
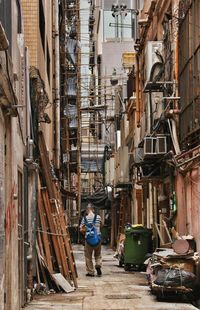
<point>70,64</point>
<point>85,94</point>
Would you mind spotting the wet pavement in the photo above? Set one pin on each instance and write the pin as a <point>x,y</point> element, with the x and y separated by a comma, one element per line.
<point>115,290</point>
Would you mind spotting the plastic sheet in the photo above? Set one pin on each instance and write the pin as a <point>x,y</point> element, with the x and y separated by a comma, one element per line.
<point>175,278</point>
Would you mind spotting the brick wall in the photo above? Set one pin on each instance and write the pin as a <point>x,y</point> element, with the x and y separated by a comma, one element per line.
<point>30,18</point>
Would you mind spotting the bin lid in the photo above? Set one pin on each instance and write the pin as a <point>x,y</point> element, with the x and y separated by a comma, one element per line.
<point>137,226</point>
<point>137,230</point>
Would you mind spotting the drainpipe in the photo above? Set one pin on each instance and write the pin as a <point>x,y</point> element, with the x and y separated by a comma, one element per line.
<point>137,92</point>
<point>57,84</point>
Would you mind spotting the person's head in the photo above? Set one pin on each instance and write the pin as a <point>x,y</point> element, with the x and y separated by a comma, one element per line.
<point>89,208</point>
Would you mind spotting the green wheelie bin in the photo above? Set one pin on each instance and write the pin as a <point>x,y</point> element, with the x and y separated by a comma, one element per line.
<point>138,243</point>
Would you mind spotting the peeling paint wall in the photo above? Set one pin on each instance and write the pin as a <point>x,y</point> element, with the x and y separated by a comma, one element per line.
<point>188,196</point>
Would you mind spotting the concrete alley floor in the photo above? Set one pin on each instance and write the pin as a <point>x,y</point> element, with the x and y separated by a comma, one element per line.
<point>115,290</point>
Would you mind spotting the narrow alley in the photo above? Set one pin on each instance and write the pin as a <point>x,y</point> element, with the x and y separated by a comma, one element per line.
<point>100,143</point>
<point>115,290</point>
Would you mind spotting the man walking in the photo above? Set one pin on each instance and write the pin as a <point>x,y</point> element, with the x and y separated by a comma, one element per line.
<point>92,220</point>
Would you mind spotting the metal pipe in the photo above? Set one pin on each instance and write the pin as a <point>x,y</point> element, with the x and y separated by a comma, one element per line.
<point>188,160</point>
<point>57,84</point>
<point>137,92</point>
<point>173,133</point>
<point>175,137</point>
<point>188,152</point>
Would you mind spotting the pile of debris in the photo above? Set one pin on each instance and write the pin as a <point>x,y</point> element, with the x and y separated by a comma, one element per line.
<point>55,261</point>
<point>171,269</point>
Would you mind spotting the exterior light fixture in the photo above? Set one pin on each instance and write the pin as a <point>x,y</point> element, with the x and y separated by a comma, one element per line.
<point>123,8</point>
<point>115,10</point>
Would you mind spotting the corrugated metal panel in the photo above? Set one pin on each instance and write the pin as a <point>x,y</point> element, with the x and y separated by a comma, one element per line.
<point>91,165</point>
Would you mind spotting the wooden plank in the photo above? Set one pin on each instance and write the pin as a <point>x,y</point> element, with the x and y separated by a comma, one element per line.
<point>62,244</point>
<point>66,273</point>
<point>44,235</point>
<point>37,270</point>
<point>41,265</point>
<point>58,234</point>
<point>159,234</point>
<point>62,282</point>
<point>40,245</point>
<point>67,241</point>
<point>46,166</point>
<point>167,231</point>
<point>52,229</point>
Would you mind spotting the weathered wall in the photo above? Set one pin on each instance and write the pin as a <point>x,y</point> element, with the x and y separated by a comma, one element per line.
<point>188,195</point>
<point>30,18</point>
<point>188,181</point>
<point>41,54</point>
<point>2,207</point>
<point>14,146</point>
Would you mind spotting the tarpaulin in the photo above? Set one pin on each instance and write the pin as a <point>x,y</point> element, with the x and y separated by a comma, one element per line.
<point>99,199</point>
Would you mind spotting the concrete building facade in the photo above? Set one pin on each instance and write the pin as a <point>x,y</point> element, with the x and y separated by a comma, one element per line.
<point>27,105</point>
<point>163,119</point>
<point>13,150</point>
<point>187,178</point>
<point>156,129</point>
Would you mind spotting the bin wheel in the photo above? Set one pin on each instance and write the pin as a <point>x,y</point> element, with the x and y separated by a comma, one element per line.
<point>120,263</point>
<point>127,267</point>
<point>160,296</point>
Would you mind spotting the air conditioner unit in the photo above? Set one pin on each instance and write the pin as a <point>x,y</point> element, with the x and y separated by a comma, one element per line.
<point>150,57</point>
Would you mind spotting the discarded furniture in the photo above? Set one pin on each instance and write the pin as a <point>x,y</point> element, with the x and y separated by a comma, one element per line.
<point>171,273</point>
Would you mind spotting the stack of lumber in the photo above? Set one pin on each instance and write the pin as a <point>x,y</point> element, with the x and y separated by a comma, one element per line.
<point>53,245</point>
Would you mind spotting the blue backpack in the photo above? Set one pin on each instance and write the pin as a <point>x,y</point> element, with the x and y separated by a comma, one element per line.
<point>91,236</point>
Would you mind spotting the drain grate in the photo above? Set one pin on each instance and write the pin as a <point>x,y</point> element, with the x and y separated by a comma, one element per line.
<point>122,296</point>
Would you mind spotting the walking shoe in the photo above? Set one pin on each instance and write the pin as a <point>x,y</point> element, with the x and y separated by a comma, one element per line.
<point>89,275</point>
<point>98,269</point>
